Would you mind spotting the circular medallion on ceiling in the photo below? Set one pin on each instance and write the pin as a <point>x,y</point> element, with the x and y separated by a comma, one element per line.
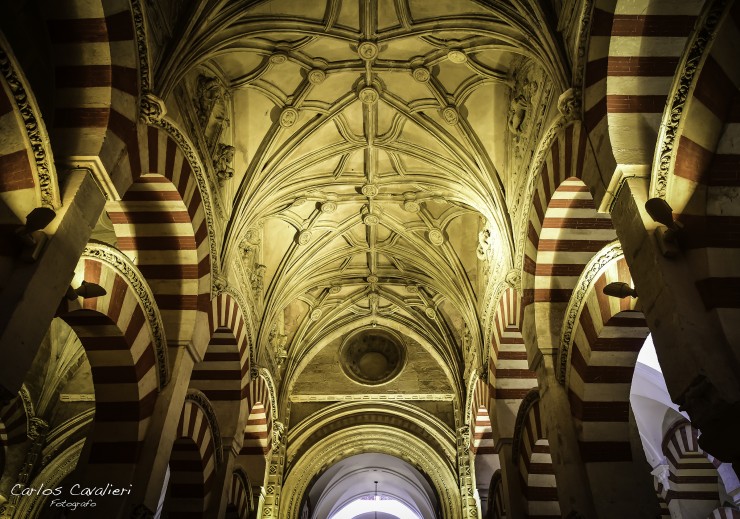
<point>372,357</point>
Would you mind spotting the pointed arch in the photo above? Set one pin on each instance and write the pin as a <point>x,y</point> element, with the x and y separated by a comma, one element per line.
<point>691,484</point>
<point>124,341</point>
<point>161,225</point>
<point>531,455</point>
<point>564,229</point>
<point>258,430</point>
<point>195,458</point>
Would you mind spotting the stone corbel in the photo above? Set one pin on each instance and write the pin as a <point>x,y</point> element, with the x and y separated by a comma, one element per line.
<point>151,108</point>
<point>662,473</point>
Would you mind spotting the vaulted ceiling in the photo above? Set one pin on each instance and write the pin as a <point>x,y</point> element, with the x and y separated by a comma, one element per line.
<point>379,145</point>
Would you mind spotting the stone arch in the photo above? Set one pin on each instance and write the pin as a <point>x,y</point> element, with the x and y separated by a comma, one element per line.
<point>161,224</point>
<point>696,166</point>
<point>123,339</point>
<point>381,439</point>
<point>223,373</point>
<point>195,458</point>
<point>97,83</point>
<point>241,500</point>
<point>559,236</point>
<point>689,483</point>
<point>606,339</point>
<point>258,430</point>
<point>531,455</point>
<point>496,499</point>
<point>639,76</point>
<point>508,369</point>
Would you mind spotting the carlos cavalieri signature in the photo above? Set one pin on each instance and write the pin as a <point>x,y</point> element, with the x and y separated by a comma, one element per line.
<point>75,491</point>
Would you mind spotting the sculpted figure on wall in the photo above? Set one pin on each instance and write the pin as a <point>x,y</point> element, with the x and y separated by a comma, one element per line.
<point>223,162</point>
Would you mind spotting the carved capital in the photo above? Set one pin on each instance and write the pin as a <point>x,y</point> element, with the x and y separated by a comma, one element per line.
<point>569,104</point>
<point>151,108</point>
<point>37,429</point>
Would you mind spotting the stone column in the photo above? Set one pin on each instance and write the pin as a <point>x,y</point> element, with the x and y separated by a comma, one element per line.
<point>574,491</point>
<point>513,498</point>
<point>699,366</point>
<point>222,481</point>
<point>274,483</point>
<point>466,476</point>
<point>34,290</point>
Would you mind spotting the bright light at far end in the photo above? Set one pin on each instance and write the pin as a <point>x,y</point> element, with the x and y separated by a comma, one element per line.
<point>376,504</point>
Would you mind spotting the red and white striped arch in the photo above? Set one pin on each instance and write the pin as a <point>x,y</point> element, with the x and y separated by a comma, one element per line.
<point>120,343</point>
<point>194,460</point>
<point>564,229</point>
<point>704,183</point>
<point>634,49</point>
<point>160,224</point>
<point>240,504</point>
<point>482,437</point>
<point>606,341</point>
<point>533,459</point>
<point>692,479</point>
<point>496,498</point>
<point>258,430</point>
<point>508,368</point>
<point>96,81</point>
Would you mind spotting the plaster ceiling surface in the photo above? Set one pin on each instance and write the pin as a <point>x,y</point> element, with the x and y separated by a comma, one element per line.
<point>372,146</point>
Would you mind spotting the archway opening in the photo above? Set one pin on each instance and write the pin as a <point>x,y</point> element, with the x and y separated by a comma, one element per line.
<point>362,485</point>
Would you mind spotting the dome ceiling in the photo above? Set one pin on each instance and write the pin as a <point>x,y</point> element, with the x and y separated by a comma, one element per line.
<point>373,145</point>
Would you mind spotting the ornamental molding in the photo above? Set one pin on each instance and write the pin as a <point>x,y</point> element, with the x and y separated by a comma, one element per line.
<point>432,397</point>
<point>199,172</point>
<point>689,68</point>
<point>199,399</point>
<point>583,38</point>
<point>142,49</point>
<point>593,270</point>
<point>270,383</point>
<point>528,401</point>
<point>35,130</point>
<point>127,269</point>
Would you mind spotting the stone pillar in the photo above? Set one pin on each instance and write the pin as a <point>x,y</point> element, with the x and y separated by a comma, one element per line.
<point>274,483</point>
<point>222,481</point>
<point>36,439</point>
<point>466,476</point>
<point>574,491</point>
<point>513,498</point>
<point>34,290</point>
<point>699,366</point>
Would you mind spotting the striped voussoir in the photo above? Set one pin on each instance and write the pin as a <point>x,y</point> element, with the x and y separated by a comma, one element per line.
<point>96,81</point>
<point>482,437</point>
<point>564,229</point>
<point>496,500</point>
<point>706,178</point>
<point>258,431</point>
<point>13,423</point>
<point>634,50</point>
<point>223,373</point>
<point>607,339</point>
<point>536,473</point>
<point>240,495</point>
<point>725,513</point>
<point>192,464</point>
<point>119,345</point>
<point>160,224</point>
<point>509,372</point>
<point>693,479</point>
